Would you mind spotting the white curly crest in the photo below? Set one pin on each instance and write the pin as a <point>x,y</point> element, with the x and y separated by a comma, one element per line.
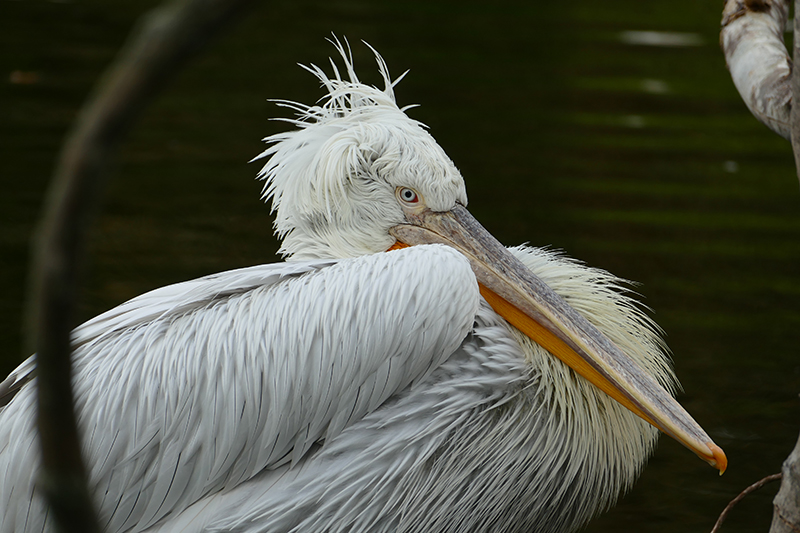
<point>331,180</point>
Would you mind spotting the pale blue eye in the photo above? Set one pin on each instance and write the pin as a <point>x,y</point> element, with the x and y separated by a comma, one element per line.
<point>409,195</point>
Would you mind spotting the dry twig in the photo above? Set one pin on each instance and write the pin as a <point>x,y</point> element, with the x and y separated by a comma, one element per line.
<point>752,488</point>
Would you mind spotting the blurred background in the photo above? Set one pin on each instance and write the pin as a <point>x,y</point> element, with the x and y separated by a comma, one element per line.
<point>611,131</point>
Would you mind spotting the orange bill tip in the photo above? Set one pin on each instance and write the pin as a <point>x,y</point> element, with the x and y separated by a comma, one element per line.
<point>720,460</point>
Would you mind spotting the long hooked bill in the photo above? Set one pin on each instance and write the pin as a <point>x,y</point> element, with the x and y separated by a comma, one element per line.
<point>536,310</point>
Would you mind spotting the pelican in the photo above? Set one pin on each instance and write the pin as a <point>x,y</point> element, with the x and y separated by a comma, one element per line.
<point>400,371</point>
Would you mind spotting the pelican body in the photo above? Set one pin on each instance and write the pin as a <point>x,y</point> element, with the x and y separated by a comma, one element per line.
<point>401,371</point>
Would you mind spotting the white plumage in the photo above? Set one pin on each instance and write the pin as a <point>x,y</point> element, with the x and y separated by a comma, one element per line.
<point>350,388</point>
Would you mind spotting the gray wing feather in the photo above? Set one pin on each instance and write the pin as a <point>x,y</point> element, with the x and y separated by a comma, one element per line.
<point>194,388</point>
<point>170,300</point>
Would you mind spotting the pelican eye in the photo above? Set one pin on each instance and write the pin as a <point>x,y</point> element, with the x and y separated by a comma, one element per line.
<point>407,195</point>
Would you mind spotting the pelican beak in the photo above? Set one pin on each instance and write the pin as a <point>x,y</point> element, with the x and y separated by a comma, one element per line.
<point>536,310</point>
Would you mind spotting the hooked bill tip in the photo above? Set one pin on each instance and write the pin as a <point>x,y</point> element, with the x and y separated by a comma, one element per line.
<point>718,459</point>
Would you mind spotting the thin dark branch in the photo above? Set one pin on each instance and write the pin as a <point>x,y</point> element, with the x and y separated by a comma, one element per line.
<point>165,39</point>
<point>754,487</point>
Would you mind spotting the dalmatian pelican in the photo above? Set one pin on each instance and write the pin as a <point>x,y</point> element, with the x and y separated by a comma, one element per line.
<point>401,370</point>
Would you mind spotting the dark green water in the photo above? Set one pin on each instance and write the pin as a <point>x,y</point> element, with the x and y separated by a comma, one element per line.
<point>635,158</point>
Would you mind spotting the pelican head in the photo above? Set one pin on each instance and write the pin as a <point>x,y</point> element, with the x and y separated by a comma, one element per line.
<point>353,169</point>
<point>358,176</point>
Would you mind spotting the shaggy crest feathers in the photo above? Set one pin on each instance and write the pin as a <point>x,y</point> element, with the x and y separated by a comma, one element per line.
<point>340,167</point>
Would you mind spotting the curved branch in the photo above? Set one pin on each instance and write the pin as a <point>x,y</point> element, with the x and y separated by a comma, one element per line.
<point>752,40</point>
<point>742,495</point>
<point>167,37</point>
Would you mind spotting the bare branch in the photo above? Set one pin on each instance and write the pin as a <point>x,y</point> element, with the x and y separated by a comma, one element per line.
<point>752,40</point>
<point>165,40</point>
<point>752,488</point>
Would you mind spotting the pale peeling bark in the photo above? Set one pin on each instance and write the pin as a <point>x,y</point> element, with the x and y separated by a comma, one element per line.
<point>761,68</point>
<point>795,82</point>
<point>786,513</point>
<point>786,517</point>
